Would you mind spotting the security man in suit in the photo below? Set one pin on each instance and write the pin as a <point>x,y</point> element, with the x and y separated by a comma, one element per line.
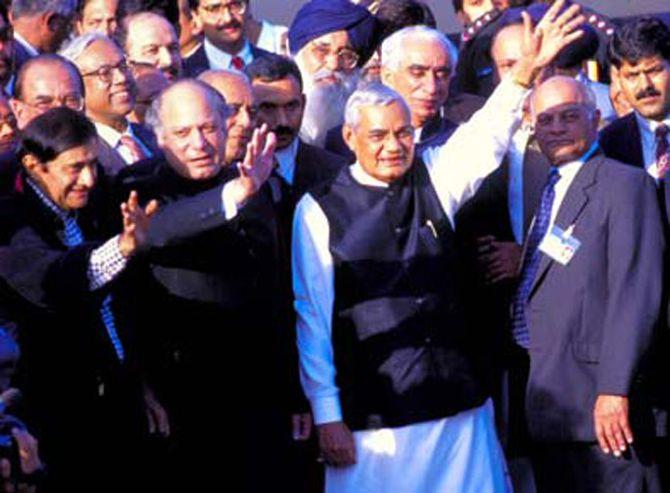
<point>586,407</point>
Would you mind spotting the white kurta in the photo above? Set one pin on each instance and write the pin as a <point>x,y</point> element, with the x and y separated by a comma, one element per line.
<point>445,455</point>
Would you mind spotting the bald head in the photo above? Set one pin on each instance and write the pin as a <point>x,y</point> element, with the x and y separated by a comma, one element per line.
<point>236,89</point>
<point>566,118</point>
<point>149,38</point>
<point>45,82</point>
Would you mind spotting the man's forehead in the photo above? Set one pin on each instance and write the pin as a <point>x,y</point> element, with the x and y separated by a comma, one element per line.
<point>645,63</point>
<point>287,88</point>
<point>100,52</point>
<point>425,52</point>
<point>336,39</point>
<point>58,79</point>
<point>147,30</point>
<point>389,116</point>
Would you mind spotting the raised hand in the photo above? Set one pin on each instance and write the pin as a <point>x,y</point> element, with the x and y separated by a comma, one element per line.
<point>543,43</point>
<point>257,165</point>
<point>136,222</point>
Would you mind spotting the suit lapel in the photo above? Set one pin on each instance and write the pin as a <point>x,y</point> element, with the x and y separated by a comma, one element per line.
<point>111,161</point>
<point>571,208</point>
<point>635,141</point>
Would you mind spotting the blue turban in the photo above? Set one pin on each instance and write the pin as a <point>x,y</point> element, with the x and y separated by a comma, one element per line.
<point>319,17</point>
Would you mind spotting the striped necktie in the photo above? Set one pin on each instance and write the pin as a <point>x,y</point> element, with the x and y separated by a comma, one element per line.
<point>531,261</point>
<point>662,150</point>
<point>73,236</point>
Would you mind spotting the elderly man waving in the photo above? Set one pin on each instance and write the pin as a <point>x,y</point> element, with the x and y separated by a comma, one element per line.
<point>388,361</point>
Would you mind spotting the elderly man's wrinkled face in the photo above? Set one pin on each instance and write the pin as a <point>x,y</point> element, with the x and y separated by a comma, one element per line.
<point>323,58</point>
<point>47,85</point>
<point>422,78</point>
<point>506,50</point>
<point>566,124</point>
<point>241,122</point>
<point>110,89</point>
<point>69,178</point>
<point>646,86</point>
<point>383,140</point>
<point>222,22</point>
<point>280,107</point>
<point>9,135</point>
<point>193,136</point>
<point>152,40</point>
<point>98,16</point>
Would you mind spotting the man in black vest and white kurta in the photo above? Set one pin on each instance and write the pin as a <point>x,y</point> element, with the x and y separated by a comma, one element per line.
<point>388,361</point>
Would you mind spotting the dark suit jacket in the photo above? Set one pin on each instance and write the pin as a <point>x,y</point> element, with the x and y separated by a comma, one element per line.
<point>21,56</point>
<point>621,140</point>
<point>67,356</point>
<point>592,321</point>
<point>197,63</point>
<point>313,166</point>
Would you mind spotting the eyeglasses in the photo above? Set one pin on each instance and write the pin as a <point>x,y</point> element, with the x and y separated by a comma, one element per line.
<point>217,9</point>
<point>45,103</point>
<point>346,57</point>
<point>106,72</point>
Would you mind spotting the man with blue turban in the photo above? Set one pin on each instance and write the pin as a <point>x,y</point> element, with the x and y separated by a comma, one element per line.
<point>330,40</point>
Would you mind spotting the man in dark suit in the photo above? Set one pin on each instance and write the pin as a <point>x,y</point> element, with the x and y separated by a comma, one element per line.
<point>65,284</point>
<point>110,97</point>
<point>418,63</point>
<point>40,27</point>
<point>278,95</point>
<point>215,336</point>
<point>225,45</point>
<point>586,400</point>
<point>640,57</point>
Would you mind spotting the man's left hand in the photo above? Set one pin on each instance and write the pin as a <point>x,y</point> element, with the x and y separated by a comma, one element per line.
<point>499,259</point>
<point>611,423</point>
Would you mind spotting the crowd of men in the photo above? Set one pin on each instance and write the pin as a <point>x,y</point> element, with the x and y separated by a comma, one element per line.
<point>347,255</point>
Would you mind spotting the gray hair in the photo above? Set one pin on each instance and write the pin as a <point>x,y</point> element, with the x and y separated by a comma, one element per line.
<point>374,94</point>
<point>214,100</point>
<point>64,8</point>
<point>74,49</point>
<point>394,47</point>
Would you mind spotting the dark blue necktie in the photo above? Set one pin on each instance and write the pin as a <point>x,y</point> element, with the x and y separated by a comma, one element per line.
<point>531,261</point>
<point>73,237</point>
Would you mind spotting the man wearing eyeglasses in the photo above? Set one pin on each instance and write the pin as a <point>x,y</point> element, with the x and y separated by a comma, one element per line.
<point>329,40</point>
<point>225,45</point>
<point>110,97</point>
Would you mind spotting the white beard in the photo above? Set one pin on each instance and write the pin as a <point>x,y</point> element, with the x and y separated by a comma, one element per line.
<point>325,104</point>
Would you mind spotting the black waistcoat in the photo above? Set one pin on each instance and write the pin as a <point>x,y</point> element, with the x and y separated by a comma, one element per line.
<point>401,342</point>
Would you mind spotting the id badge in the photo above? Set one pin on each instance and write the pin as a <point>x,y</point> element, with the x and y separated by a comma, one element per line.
<point>560,245</point>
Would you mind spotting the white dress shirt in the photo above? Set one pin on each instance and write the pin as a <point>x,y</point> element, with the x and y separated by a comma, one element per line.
<point>649,145</point>
<point>32,51</point>
<point>113,138</point>
<point>456,170</point>
<point>286,158</point>
<point>220,60</point>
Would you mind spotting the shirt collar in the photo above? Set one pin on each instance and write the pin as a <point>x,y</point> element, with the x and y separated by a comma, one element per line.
<point>649,126</point>
<point>46,200</point>
<point>286,158</point>
<point>111,135</point>
<point>568,170</point>
<point>29,48</point>
<point>219,59</point>
<point>362,177</point>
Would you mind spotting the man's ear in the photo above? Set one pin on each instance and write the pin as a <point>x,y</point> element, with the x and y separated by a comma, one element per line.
<point>349,137</point>
<point>386,76</point>
<point>19,110</point>
<point>32,165</point>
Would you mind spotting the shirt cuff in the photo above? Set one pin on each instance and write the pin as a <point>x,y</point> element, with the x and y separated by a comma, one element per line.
<point>105,264</point>
<point>228,205</point>
<point>326,409</point>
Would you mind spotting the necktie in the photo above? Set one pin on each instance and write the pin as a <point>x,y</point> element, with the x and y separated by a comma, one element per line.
<point>531,261</point>
<point>73,237</point>
<point>133,147</point>
<point>237,63</point>
<point>662,150</point>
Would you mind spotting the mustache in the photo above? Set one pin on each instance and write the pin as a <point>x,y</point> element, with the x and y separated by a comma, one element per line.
<point>648,92</point>
<point>232,23</point>
<point>324,73</point>
<point>283,131</point>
